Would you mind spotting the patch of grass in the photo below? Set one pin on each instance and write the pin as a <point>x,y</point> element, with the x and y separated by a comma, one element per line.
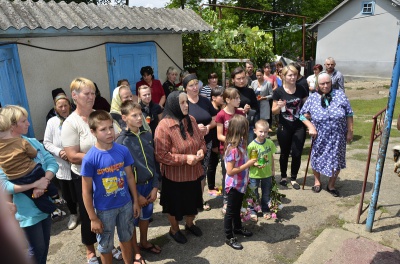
<point>364,110</point>
<point>316,232</point>
<point>283,259</point>
<point>361,88</point>
<point>386,86</point>
<point>361,157</point>
<point>350,202</point>
<point>383,209</point>
<point>349,88</point>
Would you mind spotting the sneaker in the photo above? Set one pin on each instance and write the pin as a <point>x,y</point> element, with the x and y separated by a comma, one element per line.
<point>233,243</point>
<point>243,232</point>
<point>59,201</point>
<point>73,221</point>
<point>57,215</point>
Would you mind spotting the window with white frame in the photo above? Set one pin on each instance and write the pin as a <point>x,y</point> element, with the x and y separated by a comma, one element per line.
<point>368,8</point>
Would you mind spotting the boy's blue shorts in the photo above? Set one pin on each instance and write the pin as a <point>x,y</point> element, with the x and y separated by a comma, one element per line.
<point>147,211</point>
<point>122,218</point>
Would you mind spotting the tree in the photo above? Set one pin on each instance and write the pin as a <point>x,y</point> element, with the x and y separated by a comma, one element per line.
<point>228,40</point>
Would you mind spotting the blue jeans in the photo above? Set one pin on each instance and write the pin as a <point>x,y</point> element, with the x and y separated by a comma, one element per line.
<point>122,219</point>
<point>38,237</point>
<point>266,186</point>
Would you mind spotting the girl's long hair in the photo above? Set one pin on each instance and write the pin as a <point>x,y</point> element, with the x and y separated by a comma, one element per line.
<point>237,134</point>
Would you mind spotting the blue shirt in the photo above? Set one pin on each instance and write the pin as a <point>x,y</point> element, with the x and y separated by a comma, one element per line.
<point>107,170</point>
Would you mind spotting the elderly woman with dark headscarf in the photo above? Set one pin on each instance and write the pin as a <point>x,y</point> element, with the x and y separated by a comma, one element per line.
<point>331,126</point>
<point>179,148</point>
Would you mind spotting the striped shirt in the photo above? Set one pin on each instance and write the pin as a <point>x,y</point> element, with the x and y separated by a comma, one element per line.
<point>171,150</point>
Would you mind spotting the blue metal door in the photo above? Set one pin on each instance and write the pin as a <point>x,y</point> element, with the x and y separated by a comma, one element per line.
<point>12,88</point>
<point>126,60</point>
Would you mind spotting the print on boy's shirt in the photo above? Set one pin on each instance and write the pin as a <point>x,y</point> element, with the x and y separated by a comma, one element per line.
<point>114,185</point>
<point>263,156</point>
<point>292,109</point>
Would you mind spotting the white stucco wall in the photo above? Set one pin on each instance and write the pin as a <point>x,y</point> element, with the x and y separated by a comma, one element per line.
<point>362,45</point>
<point>44,70</point>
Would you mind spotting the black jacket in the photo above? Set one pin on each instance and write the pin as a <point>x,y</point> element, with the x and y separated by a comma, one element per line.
<point>141,147</point>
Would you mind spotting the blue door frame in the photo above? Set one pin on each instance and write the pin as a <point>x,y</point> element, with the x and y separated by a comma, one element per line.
<point>12,87</point>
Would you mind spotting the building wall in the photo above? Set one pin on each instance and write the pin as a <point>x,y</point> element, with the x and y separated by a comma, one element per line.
<point>44,70</point>
<point>362,45</point>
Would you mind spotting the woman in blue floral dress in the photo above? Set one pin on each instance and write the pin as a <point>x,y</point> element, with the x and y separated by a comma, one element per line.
<point>331,127</point>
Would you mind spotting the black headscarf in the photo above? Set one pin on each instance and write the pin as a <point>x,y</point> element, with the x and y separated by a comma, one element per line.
<point>327,96</point>
<point>173,110</point>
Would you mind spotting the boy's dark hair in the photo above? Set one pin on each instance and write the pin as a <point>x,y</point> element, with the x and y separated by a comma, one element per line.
<point>97,116</point>
<point>217,91</point>
<point>128,106</point>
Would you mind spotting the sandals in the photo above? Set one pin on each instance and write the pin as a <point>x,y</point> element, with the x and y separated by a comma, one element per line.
<point>295,185</point>
<point>206,206</point>
<point>316,188</point>
<point>117,254</point>
<point>254,218</point>
<point>267,216</point>
<point>334,192</point>
<point>139,260</point>
<point>93,260</point>
<point>154,249</point>
<point>283,182</point>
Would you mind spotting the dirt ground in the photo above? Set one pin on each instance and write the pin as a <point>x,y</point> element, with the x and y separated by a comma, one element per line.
<point>304,216</point>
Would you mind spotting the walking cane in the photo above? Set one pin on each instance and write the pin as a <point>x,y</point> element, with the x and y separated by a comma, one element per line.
<point>308,163</point>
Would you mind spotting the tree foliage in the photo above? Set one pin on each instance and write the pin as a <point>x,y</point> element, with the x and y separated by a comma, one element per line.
<point>228,40</point>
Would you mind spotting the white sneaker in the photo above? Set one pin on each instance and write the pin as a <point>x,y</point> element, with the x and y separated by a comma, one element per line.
<point>73,221</point>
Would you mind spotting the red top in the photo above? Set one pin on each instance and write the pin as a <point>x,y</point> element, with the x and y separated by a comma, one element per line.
<point>223,118</point>
<point>157,91</point>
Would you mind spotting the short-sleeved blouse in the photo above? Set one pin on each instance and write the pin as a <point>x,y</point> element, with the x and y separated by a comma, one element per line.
<point>76,132</point>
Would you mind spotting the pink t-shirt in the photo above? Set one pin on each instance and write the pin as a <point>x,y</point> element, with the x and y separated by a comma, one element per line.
<point>271,78</point>
<point>223,118</point>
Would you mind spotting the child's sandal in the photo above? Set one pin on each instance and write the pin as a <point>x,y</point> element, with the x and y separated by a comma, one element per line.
<point>254,218</point>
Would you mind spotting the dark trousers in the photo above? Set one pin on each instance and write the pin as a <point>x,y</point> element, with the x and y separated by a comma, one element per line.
<point>87,236</point>
<point>42,203</point>
<point>291,139</point>
<point>38,236</point>
<point>232,219</point>
<point>212,169</point>
<point>225,198</point>
<point>69,194</point>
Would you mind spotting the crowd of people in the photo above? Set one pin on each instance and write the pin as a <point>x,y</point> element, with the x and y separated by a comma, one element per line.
<point>113,161</point>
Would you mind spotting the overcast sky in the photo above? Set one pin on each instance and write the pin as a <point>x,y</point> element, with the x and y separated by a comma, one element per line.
<point>149,3</point>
